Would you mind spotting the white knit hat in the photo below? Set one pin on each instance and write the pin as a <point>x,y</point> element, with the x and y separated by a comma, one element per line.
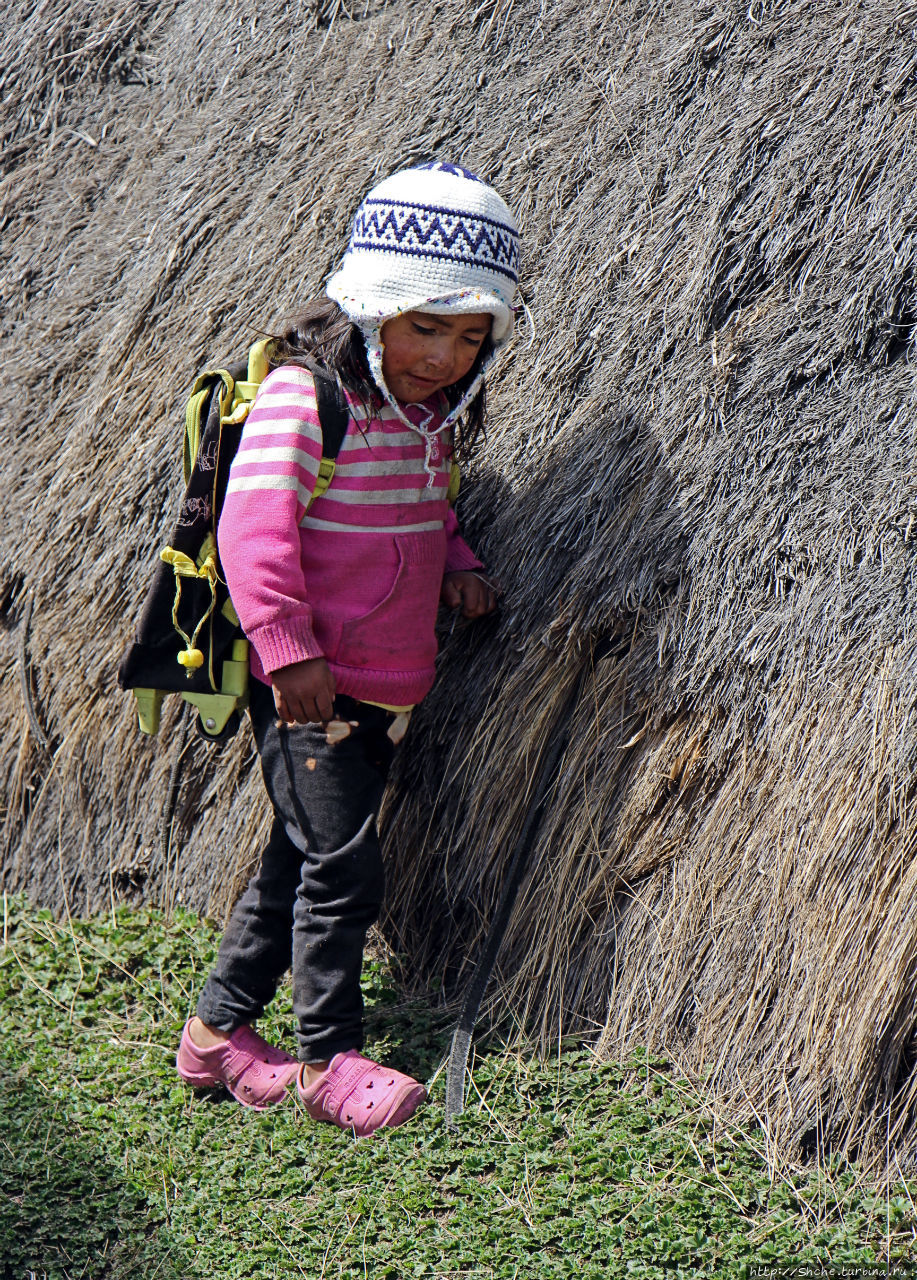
<point>426,235</point>
<point>436,239</point>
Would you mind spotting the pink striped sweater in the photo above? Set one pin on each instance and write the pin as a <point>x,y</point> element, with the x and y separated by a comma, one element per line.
<point>355,578</point>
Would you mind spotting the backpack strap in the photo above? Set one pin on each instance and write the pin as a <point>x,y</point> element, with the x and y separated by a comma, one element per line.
<point>237,394</point>
<point>333,415</point>
<point>455,483</point>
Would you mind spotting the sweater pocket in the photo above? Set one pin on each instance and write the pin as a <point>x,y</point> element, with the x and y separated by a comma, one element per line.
<point>398,634</point>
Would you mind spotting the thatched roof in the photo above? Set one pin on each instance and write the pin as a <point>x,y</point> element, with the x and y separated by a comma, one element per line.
<point>704,448</point>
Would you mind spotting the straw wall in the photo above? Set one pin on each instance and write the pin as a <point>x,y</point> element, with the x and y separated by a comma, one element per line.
<point>702,447</point>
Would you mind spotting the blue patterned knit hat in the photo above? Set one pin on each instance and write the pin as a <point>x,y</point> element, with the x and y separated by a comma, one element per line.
<point>431,238</point>
<point>436,239</point>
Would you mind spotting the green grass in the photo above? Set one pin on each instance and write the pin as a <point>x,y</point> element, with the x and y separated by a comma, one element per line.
<point>110,1168</point>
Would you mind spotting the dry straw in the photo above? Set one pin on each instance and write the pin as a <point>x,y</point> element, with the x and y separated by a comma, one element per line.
<point>706,451</point>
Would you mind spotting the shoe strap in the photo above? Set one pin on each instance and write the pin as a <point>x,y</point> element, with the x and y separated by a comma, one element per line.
<point>349,1075</point>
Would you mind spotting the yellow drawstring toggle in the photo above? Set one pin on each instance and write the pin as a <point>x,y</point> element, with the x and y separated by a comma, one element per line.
<point>191,658</point>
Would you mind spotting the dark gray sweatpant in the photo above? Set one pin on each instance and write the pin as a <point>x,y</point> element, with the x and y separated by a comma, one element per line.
<point>320,882</point>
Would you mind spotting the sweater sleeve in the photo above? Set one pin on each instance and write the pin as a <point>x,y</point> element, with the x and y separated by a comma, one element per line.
<point>271,481</point>
<point>458,553</point>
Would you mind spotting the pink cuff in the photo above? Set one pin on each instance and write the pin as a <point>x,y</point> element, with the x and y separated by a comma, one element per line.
<point>279,644</point>
<point>459,556</point>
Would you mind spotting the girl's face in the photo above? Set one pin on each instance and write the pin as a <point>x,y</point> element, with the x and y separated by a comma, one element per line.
<point>422,353</point>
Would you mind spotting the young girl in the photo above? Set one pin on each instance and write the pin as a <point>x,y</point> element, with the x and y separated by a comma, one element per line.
<point>339,598</point>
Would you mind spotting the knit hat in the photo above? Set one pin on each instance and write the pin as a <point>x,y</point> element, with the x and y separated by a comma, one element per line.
<point>435,239</point>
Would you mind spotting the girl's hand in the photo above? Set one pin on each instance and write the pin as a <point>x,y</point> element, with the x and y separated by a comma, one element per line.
<point>304,692</point>
<point>471,591</point>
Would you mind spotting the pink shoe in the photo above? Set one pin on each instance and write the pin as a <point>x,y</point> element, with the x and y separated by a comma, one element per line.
<point>255,1072</point>
<point>356,1093</point>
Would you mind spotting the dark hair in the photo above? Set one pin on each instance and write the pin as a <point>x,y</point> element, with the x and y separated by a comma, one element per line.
<point>324,334</point>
